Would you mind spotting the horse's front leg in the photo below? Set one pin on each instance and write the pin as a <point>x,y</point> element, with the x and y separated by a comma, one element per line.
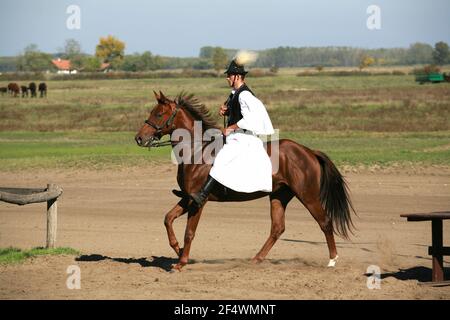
<point>191,227</point>
<point>177,211</point>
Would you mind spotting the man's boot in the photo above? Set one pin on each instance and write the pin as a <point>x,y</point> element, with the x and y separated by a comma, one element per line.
<point>200,197</point>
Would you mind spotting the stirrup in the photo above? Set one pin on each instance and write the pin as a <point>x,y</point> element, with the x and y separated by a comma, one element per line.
<point>179,193</point>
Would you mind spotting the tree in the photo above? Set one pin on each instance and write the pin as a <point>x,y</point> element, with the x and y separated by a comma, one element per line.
<point>91,64</point>
<point>72,51</point>
<point>441,53</point>
<point>381,61</point>
<point>366,61</point>
<point>111,49</point>
<point>419,53</point>
<point>34,60</point>
<point>219,59</point>
<point>141,62</point>
<point>206,52</point>
<point>72,48</point>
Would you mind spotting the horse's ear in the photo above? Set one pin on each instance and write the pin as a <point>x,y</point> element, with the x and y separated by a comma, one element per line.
<point>156,95</point>
<point>162,97</point>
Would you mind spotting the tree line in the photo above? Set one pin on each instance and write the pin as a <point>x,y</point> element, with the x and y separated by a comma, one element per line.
<point>112,51</point>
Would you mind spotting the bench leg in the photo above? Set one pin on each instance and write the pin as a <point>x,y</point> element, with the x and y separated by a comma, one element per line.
<point>436,234</point>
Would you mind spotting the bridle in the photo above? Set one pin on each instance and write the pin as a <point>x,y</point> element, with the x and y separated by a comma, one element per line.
<point>168,123</point>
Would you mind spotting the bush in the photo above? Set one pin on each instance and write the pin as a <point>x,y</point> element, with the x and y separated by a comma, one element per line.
<point>398,73</point>
<point>431,68</point>
<point>23,76</point>
<point>187,73</point>
<point>258,73</point>
<point>336,73</point>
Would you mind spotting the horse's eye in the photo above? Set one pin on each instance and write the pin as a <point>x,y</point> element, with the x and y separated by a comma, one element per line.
<point>159,115</point>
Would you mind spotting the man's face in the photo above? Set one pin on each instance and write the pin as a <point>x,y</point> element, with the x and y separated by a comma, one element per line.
<point>231,78</point>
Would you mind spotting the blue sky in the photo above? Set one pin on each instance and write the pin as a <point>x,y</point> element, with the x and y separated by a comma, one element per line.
<point>181,28</point>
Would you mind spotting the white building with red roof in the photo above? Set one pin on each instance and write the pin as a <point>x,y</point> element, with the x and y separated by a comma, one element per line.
<point>63,66</point>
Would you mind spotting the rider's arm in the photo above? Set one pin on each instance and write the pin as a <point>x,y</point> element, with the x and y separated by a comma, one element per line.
<point>254,115</point>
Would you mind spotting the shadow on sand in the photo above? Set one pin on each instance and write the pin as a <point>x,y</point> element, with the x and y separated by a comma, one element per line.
<point>421,274</point>
<point>163,263</point>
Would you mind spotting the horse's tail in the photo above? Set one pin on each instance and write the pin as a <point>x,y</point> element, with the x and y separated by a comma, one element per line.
<point>334,196</point>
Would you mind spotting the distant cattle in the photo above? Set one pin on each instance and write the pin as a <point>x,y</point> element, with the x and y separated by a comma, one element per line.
<point>43,89</point>
<point>3,90</point>
<point>24,90</point>
<point>447,77</point>
<point>32,87</point>
<point>14,89</point>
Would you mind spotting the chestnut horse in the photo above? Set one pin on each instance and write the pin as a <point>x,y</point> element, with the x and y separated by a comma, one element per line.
<point>306,174</point>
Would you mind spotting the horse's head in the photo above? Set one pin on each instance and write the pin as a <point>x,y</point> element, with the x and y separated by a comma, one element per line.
<point>159,123</point>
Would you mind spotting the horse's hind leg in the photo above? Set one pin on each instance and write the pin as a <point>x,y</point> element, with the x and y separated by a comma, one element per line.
<point>278,204</point>
<point>325,223</point>
<point>177,211</point>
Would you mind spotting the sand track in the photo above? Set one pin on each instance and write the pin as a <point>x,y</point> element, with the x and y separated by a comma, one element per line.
<point>115,218</point>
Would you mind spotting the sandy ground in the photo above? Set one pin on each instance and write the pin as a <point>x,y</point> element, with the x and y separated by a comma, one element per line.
<point>115,219</point>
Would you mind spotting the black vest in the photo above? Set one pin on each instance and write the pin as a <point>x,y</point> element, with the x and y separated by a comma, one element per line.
<point>234,108</point>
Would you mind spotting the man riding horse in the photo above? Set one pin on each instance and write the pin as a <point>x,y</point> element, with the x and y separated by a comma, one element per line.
<point>246,169</point>
<point>242,164</point>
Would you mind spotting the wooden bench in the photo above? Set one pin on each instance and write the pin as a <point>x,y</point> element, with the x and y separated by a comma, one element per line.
<point>22,196</point>
<point>437,250</point>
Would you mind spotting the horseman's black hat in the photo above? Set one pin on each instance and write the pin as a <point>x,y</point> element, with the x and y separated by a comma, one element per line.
<point>235,68</point>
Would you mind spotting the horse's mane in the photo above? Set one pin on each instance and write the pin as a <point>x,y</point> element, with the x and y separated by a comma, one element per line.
<point>196,109</point>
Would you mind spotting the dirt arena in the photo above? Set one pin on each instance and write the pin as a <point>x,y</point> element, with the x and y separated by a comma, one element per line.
<point>115,219</point>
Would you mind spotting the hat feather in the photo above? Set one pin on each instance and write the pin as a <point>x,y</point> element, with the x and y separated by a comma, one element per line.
<point>244,57</point>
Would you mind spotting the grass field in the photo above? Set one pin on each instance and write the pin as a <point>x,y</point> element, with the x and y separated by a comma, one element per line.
<point>34,150</point>
<point>14,255</point>
<point>382,119</point>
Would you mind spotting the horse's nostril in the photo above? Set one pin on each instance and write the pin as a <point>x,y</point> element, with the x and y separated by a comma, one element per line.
<point>139,140</point>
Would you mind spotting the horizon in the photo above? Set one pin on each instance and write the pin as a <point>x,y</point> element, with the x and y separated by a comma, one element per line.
<point>56,53</point>
<point>176,28</point>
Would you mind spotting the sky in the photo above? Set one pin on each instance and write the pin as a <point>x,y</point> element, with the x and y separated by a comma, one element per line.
<point>180,28</point>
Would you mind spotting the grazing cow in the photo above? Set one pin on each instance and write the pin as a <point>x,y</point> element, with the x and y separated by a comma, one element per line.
<point>43,89</point>
<point>3,90</point>
<point>14,89</point>
<point>24,91</point>
<point>447,77</point>
<point>32,87</point>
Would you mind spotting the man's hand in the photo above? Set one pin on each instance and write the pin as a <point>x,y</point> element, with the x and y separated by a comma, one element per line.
<point>226,131</point>
<point>223,110</point>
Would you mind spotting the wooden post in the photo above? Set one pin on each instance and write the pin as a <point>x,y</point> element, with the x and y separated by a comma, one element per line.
<point>436,234</point>
<point>52,218</point>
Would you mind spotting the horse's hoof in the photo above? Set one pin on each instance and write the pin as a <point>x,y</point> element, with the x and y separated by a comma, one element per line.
<point>332,262</point>
<point>177,267</point>
<point>256,260</point>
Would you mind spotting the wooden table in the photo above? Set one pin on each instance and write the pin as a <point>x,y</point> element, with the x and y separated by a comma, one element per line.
<point>437,250</point>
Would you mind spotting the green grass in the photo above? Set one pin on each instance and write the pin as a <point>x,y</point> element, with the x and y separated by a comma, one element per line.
<point>19,150</point>
<point>370,148</point>
<point>14,255</point>
<point>28,150</point>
